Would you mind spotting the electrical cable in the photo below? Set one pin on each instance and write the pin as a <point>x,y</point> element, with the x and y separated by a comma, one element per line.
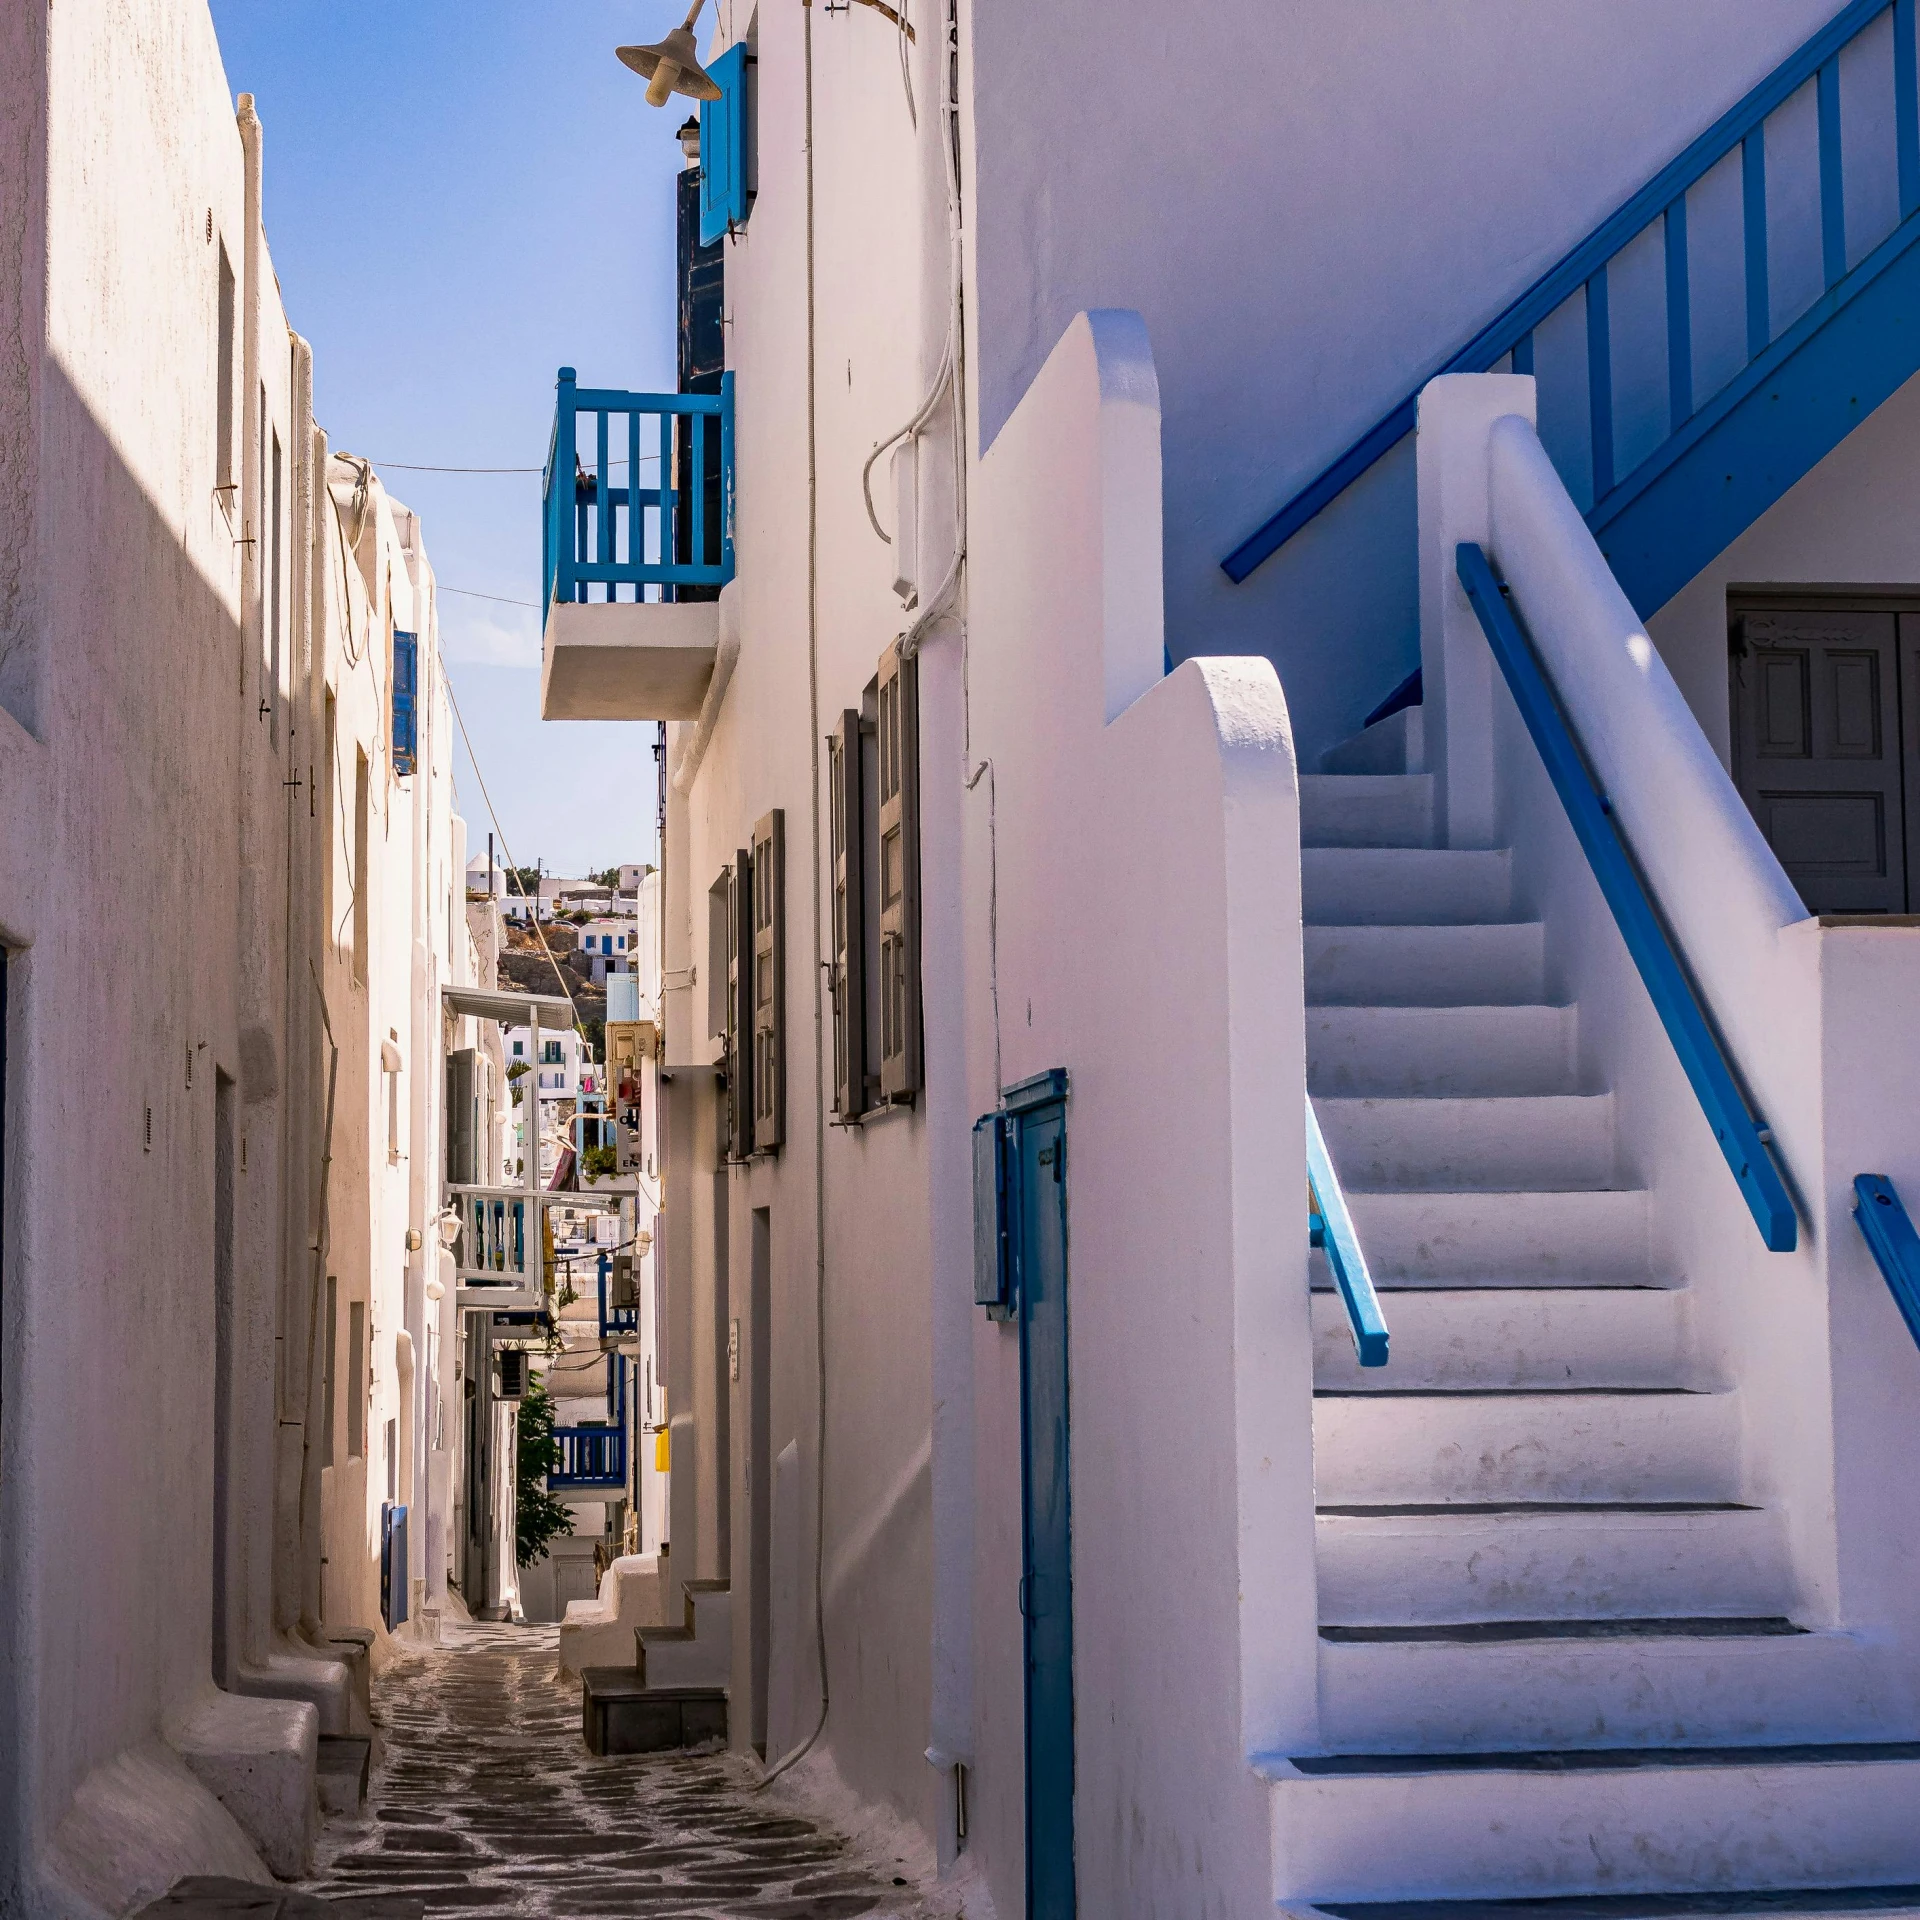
<point>499,599</point>
<point>819,1030</point>
<point>446,680</point>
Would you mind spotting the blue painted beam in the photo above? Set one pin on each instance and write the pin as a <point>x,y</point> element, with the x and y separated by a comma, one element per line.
<point>1770,425</point>
<point>1661,968</point>
<point>1330,1226</point>
<point>1740,124</point>
<point>1894,1244</point>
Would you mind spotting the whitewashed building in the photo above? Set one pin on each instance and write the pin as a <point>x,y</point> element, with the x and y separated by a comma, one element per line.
<point>225,1355</point>
<point>1060,521</point>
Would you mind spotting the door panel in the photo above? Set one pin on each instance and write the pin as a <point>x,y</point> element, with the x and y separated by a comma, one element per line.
<point>1047,1583</point>
<point>1820,754</point>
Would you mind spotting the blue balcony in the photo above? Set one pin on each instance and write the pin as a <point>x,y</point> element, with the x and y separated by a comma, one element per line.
<point>593,1456</point>
<point>638,540</point>
<point>592,1459</point>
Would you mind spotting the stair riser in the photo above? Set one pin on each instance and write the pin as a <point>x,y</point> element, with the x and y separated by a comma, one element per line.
<point>1553,1141</point>
<point>1514,1835</point>
<point>1502,965</point>
<point>1569,1695</point>
<point>1530,1239</point>
<point>1392,745</point>
<point>1438,1052</point>
<point>1371,1450</point>
<point>1376,810</point>
<point>1396,886</point>
<point>1512,1337</point>
<point>1413,1570</point>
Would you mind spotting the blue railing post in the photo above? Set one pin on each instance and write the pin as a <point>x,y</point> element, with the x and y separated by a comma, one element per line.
<point>565,455</point>
<point>1668,984</point>
<point>1890,1237</point>
<point>726,475</point>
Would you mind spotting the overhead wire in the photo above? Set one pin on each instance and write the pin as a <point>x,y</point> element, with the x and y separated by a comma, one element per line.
<point>513,865</point>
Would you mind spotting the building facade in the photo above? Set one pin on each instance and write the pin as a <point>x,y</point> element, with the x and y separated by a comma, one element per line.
<point>1102,795</point>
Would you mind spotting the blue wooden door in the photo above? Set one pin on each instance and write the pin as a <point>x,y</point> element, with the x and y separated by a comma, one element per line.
<point>1046,1588</point>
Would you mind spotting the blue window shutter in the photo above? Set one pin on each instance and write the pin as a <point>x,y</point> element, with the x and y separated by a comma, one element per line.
<point>406,725</point>
<point>723,148</point>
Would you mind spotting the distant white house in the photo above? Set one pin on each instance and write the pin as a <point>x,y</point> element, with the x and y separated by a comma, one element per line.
<point>553,1058</point>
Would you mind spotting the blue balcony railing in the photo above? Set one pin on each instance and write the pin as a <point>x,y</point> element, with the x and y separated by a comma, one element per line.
<point>639,492</point>
<point>593,1457</point>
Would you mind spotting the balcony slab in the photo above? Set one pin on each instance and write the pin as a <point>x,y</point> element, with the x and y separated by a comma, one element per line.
<point>621,661</point>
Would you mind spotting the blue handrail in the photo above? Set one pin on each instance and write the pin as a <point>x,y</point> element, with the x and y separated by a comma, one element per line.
<point>1595,826</point>
<point>595,533</point>
<point>1894,1244</point>
<point>1663,198</point>
<point>1330,1227</point>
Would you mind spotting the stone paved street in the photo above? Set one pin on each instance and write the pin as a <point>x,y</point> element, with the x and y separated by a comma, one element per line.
<point>486,1801</point>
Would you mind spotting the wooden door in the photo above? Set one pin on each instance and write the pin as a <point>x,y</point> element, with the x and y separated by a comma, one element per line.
<point>1820,751</point>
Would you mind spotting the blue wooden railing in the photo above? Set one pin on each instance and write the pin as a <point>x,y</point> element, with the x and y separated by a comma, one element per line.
<point>598,533</point>
<point>595,1455</point>
<point>591,1456</point>
<point>1742,1140</point>
<point>1654,551</point>
<point>1330,1227</point>
<point>1894,1244</point>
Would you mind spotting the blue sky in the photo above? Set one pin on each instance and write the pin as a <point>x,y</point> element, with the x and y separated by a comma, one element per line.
<point>459,200</point>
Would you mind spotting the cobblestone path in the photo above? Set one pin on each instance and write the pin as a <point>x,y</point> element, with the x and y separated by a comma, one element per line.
<point>486,1802</point>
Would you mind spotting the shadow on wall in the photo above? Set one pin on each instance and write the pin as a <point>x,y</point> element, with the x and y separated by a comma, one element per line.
<point>108,1417</point>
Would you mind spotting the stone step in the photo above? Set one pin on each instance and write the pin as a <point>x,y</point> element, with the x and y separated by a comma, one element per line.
<point>619,1713</point>
<point>1435,1052</point>
<point>1496,964</point>
<point>341,1772</point>
<point>1594,1238</point>
<point>1436,1566</point>
<point>1505,1337</point>
<point>1566,1823</point>
<point>1379,1447</point>
<point>1366,810</point>
<point>1405,886</point>
<point>1687,1682</point>
<point>1559,1142</point>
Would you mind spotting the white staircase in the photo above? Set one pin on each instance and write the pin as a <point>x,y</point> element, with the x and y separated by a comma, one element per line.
<point>1559,1652</point>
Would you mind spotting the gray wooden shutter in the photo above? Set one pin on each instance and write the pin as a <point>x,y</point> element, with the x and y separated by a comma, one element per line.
<point>849,978</point>
<point>738,1142</point>
<point>768,982</point>
<point>900,1070</point>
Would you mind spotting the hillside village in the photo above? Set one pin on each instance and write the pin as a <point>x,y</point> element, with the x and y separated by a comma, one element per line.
<point>1222,1222</point>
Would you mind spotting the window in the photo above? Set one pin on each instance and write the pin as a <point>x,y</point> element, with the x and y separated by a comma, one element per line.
<point>736,967</point>
<point>327,1374</point>
<point>328,748</point>
<point>275,548</point>
<point>899,796</point>
<point>726,155</point>
<point>551,1053</point>
<point>223,480</point>
<point>769,982</point>
<point>519,1048</point>
<point>357,1380</point>
<point>362,812</point>
<point>406,677</point>
<point>847,976</point>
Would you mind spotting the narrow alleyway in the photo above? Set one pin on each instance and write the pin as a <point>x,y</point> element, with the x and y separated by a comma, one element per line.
<point>485,1801</point>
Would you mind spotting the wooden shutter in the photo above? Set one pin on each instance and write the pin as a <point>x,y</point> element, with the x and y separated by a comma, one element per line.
<point>849,977</point>
<point>768,983</point>
<point>737,1142</point>
<point>900,1071</point>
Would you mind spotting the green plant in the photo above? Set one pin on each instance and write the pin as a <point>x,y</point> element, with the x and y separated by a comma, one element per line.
<point>517,1069</point>
<point>537,1516</point>
<point>598,1160</point>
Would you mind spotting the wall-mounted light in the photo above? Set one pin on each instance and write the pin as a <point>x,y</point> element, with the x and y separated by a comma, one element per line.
<point>671,65</point>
